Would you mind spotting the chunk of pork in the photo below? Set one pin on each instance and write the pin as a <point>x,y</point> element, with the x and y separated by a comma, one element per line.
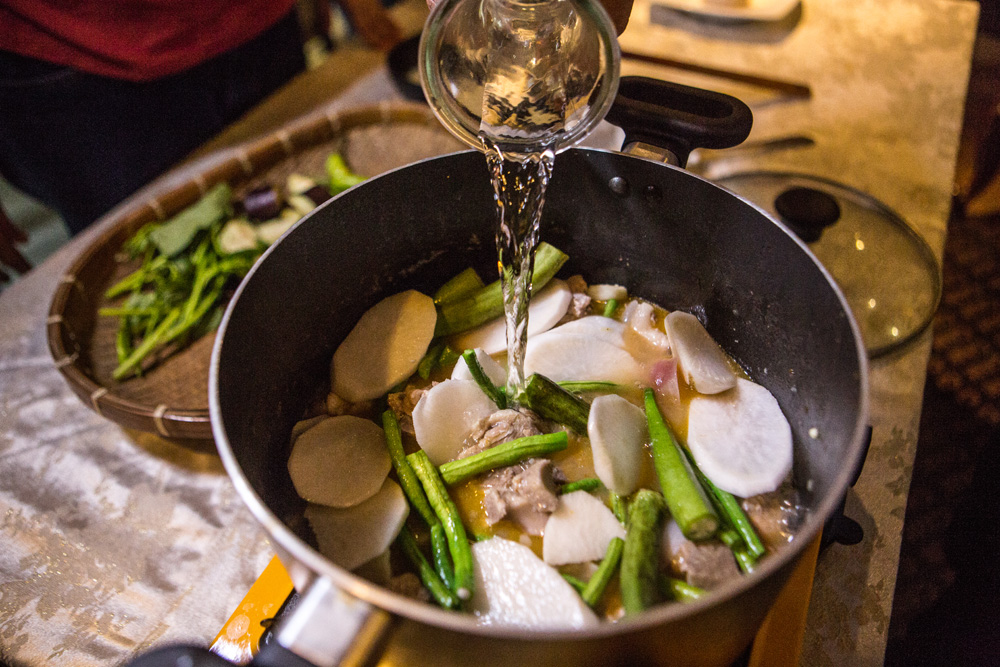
<point>526,493</point>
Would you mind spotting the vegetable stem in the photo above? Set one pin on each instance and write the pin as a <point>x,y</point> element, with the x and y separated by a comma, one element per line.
<point>504,454</point>
<point>447,513</point>
<point>679,590</point>
<point>589,386</point>
<point>619,508</point>
<point>599,581</point>
<point>610,307</point>
<point>639,556</point>
<point>586,484</point>
<point>553,402</point>
<point>486,384</point>
<point>578,584</point>
<point>432,582</point>
<point>687,501</point>
<point>463,284</point>
<point>731,511</point>
<point>404,472</point>
<point>439,552</point>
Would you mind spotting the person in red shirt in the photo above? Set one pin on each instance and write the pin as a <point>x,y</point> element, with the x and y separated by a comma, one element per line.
<point>98,98</point>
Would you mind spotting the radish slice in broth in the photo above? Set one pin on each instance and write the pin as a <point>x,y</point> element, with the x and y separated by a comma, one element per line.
<point>595,326</point>
<point>579,530</point>
<point>340,461</point>
<point>384,347</point>
<point>353,536</point>
<point>545,310</point>
<point>445,414</point>
<point>514,588</point>
<point>562,357</point>
<point>494,371</point>
<point>740,439</point>
<point>701,360</point>
<point>618,435</point>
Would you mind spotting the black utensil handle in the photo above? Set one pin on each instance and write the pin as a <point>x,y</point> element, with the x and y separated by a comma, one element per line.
<point>678,118</point>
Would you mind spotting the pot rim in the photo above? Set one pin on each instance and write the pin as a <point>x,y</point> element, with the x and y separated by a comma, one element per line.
<point>402,606</point>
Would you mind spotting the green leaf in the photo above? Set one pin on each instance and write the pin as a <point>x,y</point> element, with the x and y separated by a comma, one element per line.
<point>341,177</point>
<point>174,235</point>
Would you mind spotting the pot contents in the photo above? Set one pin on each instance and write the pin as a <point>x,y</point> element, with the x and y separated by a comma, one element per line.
<point>638,465</point>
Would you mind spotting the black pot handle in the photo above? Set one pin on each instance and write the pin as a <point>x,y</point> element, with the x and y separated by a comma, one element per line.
<point>678,118</point>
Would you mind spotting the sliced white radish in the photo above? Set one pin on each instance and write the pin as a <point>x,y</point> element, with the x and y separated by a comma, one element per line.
<point>384,347</point>
<point>618,434</point>
<point>270,231</point>
<point>582,358</point>
<point>740,439</point>
<point>353,536</point>
<point>596,326</point>
<point>302,426</point>
<point>514,588</point>
<point>701,360</point>
<point>445,414</point>
<point>237,235</point>
<point>340,461</point>
<point>544,311</point>
<point>607,292</point>
<point>671,539</point>
<point>494,371</point>
<point>579,530</point>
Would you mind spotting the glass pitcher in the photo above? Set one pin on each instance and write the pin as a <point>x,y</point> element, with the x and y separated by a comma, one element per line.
<point>524,74</point>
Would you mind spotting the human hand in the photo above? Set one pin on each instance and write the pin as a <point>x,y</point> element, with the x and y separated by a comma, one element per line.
<point>373,23</point>
<point>9,255</point>
<point>618,10</point>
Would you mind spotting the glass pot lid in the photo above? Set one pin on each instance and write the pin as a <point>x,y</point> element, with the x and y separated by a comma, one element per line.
<point>886,271</point>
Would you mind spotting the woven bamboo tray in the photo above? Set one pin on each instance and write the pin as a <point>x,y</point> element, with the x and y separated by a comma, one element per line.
<point>171,399</point>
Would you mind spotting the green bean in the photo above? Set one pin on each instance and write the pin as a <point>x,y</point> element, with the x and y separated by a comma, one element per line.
<point>407,477</point>
<point>439,552</point>
<point>619,507</point>
<point>599,581</point>
<point>447,513</point>
<point>430,360</point>
<point>640,556</point>
<point>504,454</point>
<point>479,375</point>
<point>730,509</point>
<point>578,584</point>
<point>610,307</point>
<point>687,501</point>
<point>588,386</point>
<point>744,559</point>
<point>586,484</point>
<point>679,590</point>
<point>432,582</point>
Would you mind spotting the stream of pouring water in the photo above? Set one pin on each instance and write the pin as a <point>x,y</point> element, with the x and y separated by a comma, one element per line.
<point>519,183</point>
